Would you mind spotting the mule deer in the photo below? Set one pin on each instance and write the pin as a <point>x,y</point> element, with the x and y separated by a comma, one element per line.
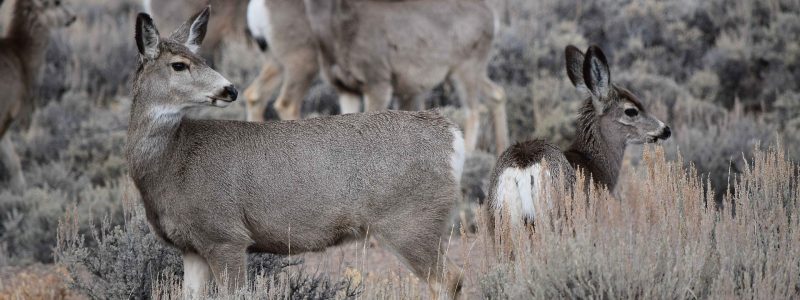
<point>218,189</point>
<point>225,23</point>
<point>22,54</point>
<point>611,118</point>
<point>377,49</point>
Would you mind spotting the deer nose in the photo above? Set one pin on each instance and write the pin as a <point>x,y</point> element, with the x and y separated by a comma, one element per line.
<point>231,92</point>
<point>666,133</point>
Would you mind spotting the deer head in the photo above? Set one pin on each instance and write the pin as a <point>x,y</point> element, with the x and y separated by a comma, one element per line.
<point>171,75</point>
<point>615,112</point>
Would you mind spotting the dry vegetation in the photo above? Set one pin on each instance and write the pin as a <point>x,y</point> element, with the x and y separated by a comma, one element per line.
<point>718,220</point>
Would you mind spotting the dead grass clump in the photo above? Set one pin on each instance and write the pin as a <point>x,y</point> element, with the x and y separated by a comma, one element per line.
<point>662,236</point>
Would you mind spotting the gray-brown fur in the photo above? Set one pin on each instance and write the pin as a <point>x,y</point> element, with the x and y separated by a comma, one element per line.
<point>376,49</point>
<point>218,189</point>
<point>22,52</point>
<point>610,119</point>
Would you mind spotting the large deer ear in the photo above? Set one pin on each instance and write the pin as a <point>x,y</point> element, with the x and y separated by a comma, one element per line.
<point>193,31</point>
<point>597,76</point>
<point>574,64</point>
<point>147,38</point>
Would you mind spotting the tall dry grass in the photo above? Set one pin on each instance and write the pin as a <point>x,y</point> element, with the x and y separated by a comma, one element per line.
<point>661,236</point>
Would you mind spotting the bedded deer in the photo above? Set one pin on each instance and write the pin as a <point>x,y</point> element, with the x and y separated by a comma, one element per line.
<point>376,49</point>
<point>611,118</point>
<point>22,54</point>
<point>217,189</point>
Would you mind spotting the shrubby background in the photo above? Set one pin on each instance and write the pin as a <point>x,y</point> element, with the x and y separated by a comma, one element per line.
<point>723,74</point>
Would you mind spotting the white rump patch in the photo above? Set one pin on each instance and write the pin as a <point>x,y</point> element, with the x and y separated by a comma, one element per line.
<point>258,20</point>
<point>521,192</point>
<point>196,275</point>
<point>459,154</point>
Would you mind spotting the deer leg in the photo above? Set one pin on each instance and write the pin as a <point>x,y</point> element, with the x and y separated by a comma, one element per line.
<point>497,102</point>
<point>349,103</point>
<point>299,72</point>
<point>420,250</point>
<point>196,274</point>
<point>412,103</point>
<point>377,97</point>
<point>9,159</point>
<point>228,263</point>
<point>258,93</point>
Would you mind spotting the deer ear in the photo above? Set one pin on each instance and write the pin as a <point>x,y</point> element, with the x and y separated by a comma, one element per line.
<point>193,31</point>
<point>597,77</point>
<point>596,74</point>
<point>147,38</point>
<point>574,64</point>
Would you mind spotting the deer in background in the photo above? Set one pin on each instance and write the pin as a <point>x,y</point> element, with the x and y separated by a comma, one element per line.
<point>225,24</point>
<point>217,189</point>
<point>281,26</point>
<point>376,49</point>
<point>22,55</point>
<point>611,118</point>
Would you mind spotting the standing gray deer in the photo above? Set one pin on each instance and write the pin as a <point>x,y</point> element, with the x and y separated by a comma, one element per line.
<point>219,189</point>
<point>376,49</point>
<point>611,118</point>
<point>22,54</point>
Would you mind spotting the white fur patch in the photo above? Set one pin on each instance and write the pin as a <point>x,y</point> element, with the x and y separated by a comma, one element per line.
<point>196,274</point>
<point>521,192</point>
<point>147,6</point>
<point>459,154</point>
<point>349,104</point>
<point>258,20</point>
<point>658,131</point>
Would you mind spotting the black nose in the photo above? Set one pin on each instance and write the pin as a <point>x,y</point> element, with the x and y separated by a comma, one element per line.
<point>231,93</point>
<point>666,133</point>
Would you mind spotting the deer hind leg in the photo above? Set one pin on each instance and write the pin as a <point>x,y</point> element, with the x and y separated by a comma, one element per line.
<point>497,103</point>
<point>299,73</point>
<point>467,89</point>
<point>10,160</point>
<point>228,264</point>
<point>196,276</point>
<point>377,97</point>
<point>258,93</point>
<point>416,239</point>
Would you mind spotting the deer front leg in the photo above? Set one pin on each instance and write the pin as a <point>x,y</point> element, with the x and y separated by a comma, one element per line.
<point>196,274</point>
<point>299,72</point>
<point>258,93</point>
<point>228,263</point>
<point>377,97</point>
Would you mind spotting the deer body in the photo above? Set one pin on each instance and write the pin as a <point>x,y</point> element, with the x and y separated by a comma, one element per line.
<point>219,189</point>
<point>376,49</point>
<point>610,119</point>
<point>22,53</point>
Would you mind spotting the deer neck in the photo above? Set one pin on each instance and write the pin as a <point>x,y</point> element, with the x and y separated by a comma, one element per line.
<point>29,39</point>
<point>597,152</point>
<point>152,135</point>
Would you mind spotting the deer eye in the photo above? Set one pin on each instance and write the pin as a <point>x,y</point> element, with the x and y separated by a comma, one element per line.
<point>179,67</point>
<point>57,2</point>
<point>631,112</point>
